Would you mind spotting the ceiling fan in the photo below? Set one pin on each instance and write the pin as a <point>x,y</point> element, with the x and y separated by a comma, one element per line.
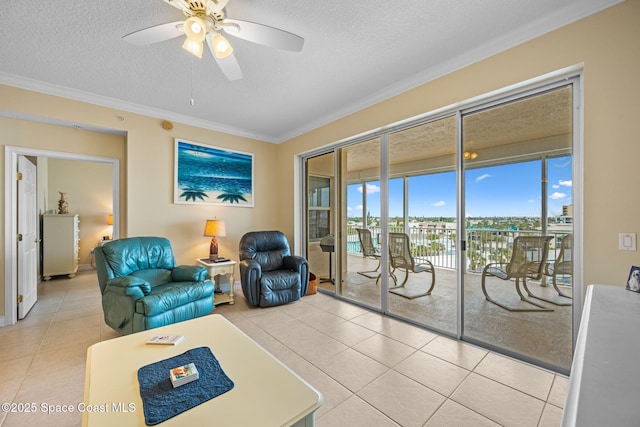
<point>206,21</point>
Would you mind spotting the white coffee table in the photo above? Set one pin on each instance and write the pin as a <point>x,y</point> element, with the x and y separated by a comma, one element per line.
<point>266,392</point>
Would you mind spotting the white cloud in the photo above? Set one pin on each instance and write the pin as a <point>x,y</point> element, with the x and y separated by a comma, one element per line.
<point>555,186</point>
<point>371,188</point>
<point>481,177</point>
<point>358,208</point>
<point>531,201</point>
<point>439,204</point>
<point>568,183</point>
<point>557,196</point>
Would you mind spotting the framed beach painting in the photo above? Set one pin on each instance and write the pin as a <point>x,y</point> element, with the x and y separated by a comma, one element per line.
<point>212,175</point>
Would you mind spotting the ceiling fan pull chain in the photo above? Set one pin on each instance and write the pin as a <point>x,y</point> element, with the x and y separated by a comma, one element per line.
<point>192,102</point>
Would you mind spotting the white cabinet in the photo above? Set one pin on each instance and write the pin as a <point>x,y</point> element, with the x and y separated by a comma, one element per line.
<point>60,237</point>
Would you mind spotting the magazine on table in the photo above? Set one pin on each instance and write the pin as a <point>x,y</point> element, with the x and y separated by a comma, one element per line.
<point>165,339</point>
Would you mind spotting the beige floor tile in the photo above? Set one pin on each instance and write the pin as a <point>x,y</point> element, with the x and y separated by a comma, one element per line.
<point>404,400</point>
<point>559,389</point>
<point>15,368</point>
<point>349,333</point>
<point>79,311</point>
<point>316,346</point>
<point>498,402</point>
<point>551,416</point>
<point>332,391</point>
<point>32,320</point>
<point>321,320</point>
<point>374,321</point>
<point>312,337</point>
<point>8,390</point>
<point>521,376</point>
<point>299,310</point>
<point>409,334</point>
<point>343,309</point>
<point>46,307</point>
<point>40,418</point>
<point>352,369</point>
<point>385,350</point>
<point>354,412</point>
<point>452,414</point>
<point>456,352</point>
<point>433,372</point>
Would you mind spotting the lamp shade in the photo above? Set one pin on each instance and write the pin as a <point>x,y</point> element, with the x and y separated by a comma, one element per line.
<point>195,29</point>
<point>215,228</point>
<point>221,46</point>
<point>194,47</point>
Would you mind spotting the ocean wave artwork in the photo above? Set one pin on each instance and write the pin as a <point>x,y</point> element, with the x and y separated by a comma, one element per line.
<point>212,175</point>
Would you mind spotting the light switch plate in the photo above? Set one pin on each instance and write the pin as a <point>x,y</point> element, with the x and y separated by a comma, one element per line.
<point>627,241</point>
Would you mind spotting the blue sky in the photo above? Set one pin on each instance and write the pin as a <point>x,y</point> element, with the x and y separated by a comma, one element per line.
<point>506,190</point>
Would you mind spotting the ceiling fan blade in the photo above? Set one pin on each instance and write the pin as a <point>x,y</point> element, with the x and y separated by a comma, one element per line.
<point>263,34</point>
<point>215,6</point>
<point>181,5</point>
<point>155,34</point>
<point>229,65</point>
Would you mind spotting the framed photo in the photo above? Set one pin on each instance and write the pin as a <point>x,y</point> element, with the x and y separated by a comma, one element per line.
<point>633,282</point>
<point>212,175</point>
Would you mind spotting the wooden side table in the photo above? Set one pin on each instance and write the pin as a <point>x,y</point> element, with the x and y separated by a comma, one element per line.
<point>215,270</point>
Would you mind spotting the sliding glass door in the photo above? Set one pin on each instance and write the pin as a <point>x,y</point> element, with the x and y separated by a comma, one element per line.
<point>461,222</point>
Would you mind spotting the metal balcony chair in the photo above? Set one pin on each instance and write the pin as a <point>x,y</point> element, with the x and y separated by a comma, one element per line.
<point>369,251</point>
<point>400,257</point>
<point>562,266</point>
<point>528,261</point>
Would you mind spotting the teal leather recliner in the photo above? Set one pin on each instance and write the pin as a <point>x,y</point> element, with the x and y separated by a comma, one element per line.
<point>143,289</point>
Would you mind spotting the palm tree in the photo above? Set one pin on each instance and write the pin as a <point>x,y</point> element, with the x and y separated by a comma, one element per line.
<point>232,197</point>
<point>193,194</point>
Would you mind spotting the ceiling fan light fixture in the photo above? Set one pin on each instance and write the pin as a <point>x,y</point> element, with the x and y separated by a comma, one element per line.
<point>194,47</point>
<point>195,28</point>
<point>221,46</point>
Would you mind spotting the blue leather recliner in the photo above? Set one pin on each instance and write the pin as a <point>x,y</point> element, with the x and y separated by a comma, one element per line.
<point>269,274</point>
<point>142,288</point>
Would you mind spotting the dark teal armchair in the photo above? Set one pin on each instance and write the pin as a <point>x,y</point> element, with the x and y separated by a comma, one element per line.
<point>142,288</point>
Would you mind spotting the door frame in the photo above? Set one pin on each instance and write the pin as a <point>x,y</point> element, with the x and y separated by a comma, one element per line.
<point>11,154</point>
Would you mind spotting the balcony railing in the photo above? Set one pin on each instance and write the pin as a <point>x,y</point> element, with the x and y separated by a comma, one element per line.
<point>438,244</point>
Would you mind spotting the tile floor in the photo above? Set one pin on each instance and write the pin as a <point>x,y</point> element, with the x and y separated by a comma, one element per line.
<point>371,370</point>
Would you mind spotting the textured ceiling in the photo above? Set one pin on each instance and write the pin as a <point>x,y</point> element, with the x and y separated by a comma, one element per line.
<point>519,128</point>
<point>356,53</point>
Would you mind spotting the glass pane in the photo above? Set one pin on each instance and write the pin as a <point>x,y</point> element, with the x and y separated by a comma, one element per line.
<point>319,192</point>
<point>423,285</point>
<point>518,182</point>
<point>360,262</point>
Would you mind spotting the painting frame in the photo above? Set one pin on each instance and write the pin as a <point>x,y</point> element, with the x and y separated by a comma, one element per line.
<point>209,175</point>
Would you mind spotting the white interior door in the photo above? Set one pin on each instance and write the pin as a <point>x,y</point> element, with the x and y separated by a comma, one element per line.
<point>27,238</point>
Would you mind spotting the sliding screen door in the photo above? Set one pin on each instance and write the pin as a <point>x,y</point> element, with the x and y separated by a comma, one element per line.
<point>422,207</point>
<point>359,171</point>
<point>518,226</point>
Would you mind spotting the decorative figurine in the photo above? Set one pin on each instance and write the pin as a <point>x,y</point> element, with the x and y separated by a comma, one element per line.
<point>63,205</point>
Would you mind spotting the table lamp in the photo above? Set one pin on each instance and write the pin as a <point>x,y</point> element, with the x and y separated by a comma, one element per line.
<point>109,222</point>
<point>214,228</point>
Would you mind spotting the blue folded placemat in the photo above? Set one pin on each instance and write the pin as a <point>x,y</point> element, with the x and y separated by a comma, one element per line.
<point>161,401</point>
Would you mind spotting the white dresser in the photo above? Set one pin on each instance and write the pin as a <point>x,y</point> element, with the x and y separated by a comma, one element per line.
<point>60,238</point>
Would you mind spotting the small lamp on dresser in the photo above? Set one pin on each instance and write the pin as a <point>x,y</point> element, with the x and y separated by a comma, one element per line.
<point>214,228</point>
